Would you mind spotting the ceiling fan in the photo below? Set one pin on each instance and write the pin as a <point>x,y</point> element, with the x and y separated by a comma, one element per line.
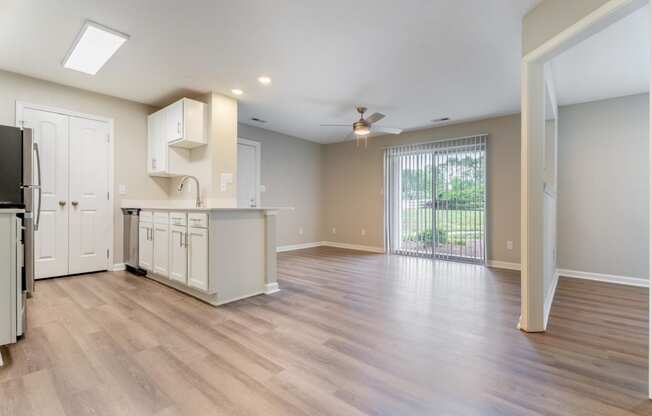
<point>363,127</point>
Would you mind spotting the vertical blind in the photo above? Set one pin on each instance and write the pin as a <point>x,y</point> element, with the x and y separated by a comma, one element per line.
<point>435,199</point>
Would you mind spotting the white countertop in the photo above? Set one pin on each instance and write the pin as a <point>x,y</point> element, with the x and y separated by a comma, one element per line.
<point>11,211</point>
<point>184,205</point>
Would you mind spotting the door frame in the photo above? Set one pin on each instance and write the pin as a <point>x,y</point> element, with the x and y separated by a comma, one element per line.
<point>22,105</point>
<point>533,92</point>
<point>258,147</point>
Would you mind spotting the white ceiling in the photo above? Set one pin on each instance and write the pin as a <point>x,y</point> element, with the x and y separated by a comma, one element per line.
<point>414,60</point>
<point>611,63</point>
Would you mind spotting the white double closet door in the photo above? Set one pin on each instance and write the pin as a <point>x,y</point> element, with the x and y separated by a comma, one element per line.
<point>75,224</point>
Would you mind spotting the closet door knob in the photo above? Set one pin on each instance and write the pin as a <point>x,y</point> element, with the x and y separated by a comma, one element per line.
<point>62,203</point>
<point>74,203</point>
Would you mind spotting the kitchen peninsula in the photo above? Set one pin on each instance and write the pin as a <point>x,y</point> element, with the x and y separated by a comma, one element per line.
<point>217,255</point>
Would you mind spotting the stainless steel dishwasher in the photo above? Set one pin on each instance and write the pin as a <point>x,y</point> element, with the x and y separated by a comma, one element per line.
<point>130,245</point>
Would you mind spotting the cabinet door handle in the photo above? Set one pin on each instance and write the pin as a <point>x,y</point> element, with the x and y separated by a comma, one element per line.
<point>180,240</point>
<point>179,128</point>
<point>154,163</point>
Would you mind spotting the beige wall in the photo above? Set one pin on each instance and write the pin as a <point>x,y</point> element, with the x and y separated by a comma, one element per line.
<point>353,184</point>
<point>130,134</point>
<point>603,187</point>
<point>291,172</point>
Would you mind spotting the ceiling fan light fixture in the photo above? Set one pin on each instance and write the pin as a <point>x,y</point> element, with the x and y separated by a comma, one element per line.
<point>361,129</point>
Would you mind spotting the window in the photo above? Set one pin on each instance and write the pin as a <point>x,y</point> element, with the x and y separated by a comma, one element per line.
<point>435,199</point>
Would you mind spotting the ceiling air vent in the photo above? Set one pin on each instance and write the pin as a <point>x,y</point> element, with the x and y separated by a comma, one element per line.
<point>258,120</point>
<point>441,120</point>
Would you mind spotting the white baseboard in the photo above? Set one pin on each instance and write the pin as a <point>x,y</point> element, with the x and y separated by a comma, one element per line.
<point>550,296</point>
<point>118,267</point>
<point>353,247</point>
<point>607,278</point>
<point>281,249</point>
<point>303,246</point>
<point>496,264</point>
<point>271,288</point>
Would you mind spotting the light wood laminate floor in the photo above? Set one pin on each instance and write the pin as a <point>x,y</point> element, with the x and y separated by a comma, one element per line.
<point>349,334</point>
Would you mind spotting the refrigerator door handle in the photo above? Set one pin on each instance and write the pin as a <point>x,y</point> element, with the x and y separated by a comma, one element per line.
<point>38,187</point>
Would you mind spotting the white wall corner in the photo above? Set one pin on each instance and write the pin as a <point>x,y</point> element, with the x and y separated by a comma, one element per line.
<point>271,288</point>
<point>550,297</point>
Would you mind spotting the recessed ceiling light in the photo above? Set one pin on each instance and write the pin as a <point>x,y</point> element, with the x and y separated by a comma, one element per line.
<point>265,80</point>
<point>94,46</point>
<point>237,91</point>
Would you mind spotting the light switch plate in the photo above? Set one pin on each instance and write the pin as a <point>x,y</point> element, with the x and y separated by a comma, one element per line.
<point>225,179</point>
<point>263,188</point>
<point>122,189</point>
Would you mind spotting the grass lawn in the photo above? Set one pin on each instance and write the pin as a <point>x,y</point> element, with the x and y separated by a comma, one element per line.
<point>451,221</point>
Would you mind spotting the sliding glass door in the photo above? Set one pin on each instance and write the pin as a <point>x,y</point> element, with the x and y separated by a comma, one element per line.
<point>435,199</point>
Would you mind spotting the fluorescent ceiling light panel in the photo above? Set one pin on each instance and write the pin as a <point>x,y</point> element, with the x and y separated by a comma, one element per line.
<point>94,46</point>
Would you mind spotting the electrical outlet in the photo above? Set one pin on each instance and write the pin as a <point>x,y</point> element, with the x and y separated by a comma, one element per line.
<point>363,232</point>
<point>300,230</point>
<point>510,245</point>
<point>333,230</point>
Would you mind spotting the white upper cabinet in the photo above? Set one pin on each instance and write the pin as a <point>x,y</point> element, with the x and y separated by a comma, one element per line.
<point>185,124</point>
<point>181,125</point>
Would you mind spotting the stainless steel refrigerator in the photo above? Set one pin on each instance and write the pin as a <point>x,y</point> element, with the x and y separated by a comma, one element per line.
<point>20,187</point>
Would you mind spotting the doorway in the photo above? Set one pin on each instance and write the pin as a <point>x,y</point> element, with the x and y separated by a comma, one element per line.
<point>76,228</point>
<point>436,199</point>
<point>249,157</point>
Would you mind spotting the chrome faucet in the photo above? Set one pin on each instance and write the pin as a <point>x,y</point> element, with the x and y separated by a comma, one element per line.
<point>183,182</point>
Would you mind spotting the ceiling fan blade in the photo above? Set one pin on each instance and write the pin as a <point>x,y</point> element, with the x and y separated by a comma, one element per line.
<point>386,130</point>
<point>375,117</point>
<point>336,125</point>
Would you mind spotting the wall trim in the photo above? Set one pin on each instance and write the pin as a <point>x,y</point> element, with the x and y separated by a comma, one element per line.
<point>357,247</point>
<point>302,246</point>
<point>271,288</point>
<point>118,267</point>
<point>606,278</point>
<point>497,264</point>
<point>550,297</point>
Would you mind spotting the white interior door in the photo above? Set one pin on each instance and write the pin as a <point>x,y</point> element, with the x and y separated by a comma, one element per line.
<point>89,210</point>
<point>51,240</point>
<point>248,173</point>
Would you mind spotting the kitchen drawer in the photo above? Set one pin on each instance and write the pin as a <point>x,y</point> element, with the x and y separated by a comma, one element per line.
<point>178,218</point>
<point>146,216</point>
<point>198,220</point>
<point>161,218</point>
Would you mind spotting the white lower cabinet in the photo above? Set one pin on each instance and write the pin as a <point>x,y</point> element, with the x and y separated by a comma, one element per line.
<point>174,248</point>
<point>146,246</point>
<point>179,253</point>
<point>198,258</point>
<point>10,278</point>
<point>162,249</point>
